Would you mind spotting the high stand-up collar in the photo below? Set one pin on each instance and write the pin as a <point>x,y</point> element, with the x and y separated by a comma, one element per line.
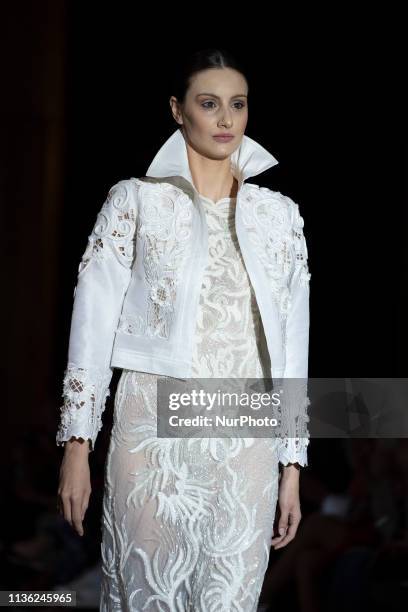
<point>171,160</point>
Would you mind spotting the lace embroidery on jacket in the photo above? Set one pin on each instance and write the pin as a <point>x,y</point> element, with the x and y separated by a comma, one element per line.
<point>292,420</point>
<point>165,221</point>
<point>281,248</point>
<point>279,244</point>
<point>267,220</point>
<point>115,223</point>
<point>85,392</point>
<point>85,389</point>
<point>132,324</point>
<point>301,253</point>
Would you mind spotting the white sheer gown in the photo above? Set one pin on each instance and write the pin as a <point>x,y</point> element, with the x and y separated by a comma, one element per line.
<point>187,522</point>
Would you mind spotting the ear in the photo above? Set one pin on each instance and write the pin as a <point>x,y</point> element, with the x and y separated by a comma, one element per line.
<point>175,110</point>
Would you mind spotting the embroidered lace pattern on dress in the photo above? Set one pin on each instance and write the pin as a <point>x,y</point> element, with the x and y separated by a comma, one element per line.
<point>187,522</point>
<point>228,329</point>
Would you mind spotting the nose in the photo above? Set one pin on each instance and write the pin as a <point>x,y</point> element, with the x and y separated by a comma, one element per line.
<point>226,120</point>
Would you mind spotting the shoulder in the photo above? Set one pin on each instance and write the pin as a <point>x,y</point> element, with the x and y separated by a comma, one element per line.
<point>124,187</point>
<point>280,201</point>
<point>160,191</point>
<point>122,195</point>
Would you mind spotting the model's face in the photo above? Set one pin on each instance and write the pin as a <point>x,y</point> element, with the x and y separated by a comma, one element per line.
<point>216,103</point>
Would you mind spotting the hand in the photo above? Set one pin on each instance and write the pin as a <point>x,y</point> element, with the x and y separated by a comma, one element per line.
<point>75,484</point>
<point>289,506</point>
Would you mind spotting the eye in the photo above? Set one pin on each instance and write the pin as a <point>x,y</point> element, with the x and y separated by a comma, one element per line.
<point>204,105</point>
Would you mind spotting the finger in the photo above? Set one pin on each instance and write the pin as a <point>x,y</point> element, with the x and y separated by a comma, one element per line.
<point>66,505</point>
<point>285,540</point>
<point>83,510</point>
<point>290,534</point>
<point>283,523</point>
<point>293,523</point>
<point>279,537</point>
<point>77,524</point>
<point>77,517</point>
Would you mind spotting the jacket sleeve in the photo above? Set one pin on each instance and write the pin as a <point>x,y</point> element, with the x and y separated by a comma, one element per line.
<point>103,277</point>
<point>293,447</point>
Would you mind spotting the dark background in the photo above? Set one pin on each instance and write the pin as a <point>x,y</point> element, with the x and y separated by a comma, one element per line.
<point>85,103</point>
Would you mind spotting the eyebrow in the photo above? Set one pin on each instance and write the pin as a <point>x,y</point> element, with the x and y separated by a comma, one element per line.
<point>218,97</point>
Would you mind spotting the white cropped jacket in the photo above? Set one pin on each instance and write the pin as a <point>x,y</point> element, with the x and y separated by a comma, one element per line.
<point>139,281</point>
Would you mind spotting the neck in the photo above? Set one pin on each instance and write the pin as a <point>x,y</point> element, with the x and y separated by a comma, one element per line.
<point>212,177</point>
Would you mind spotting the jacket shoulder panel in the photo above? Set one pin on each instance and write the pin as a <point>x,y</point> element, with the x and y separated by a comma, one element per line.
<point>123,194</point>
<point>113,230</point>
<point>152,184</point>
<point>287,207</point>
<point>299,240</point>
<point>296,220</point>
<point>273,203</point>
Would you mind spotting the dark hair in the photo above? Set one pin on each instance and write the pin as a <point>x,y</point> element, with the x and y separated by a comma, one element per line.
<point>202,59</point>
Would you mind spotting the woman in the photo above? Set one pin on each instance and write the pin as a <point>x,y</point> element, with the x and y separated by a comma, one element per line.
<point>188,523</point>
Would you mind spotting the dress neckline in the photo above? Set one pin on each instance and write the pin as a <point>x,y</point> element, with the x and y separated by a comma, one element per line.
<point>220,201</point>
<point>223,208</point>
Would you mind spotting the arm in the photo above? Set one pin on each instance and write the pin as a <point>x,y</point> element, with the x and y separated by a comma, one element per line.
<point>293,447</point>
<point>103,277</point>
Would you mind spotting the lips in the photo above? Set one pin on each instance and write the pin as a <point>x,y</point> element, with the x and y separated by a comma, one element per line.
<point>223,138</point>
